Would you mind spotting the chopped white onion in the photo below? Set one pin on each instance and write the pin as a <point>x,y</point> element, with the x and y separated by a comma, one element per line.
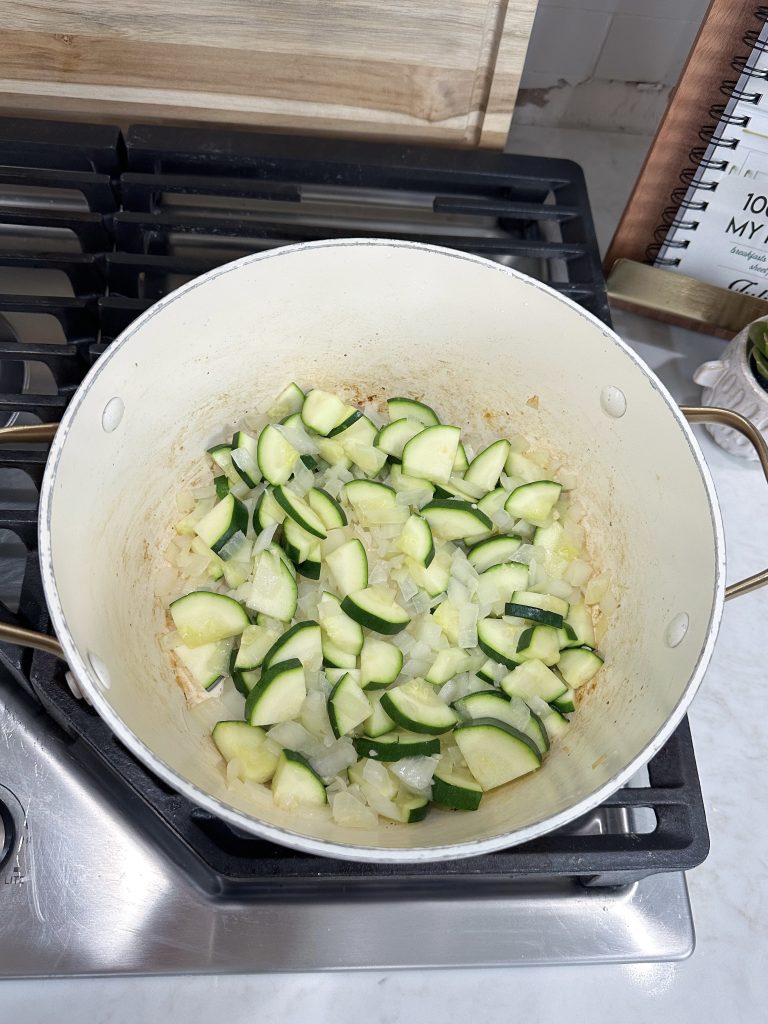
<point>185,502</point>
<point>298,437</point>
<point>376,775</point>
<point>170,640</point>
<point>596,589</point>
<point>295,737</point>
<point>416,772</point>
<point>407,587</point>
<point>334,758</point>
<point>467,631</point>
<point>348,811</point>
<point>264,539</point>
<point>303,479</point>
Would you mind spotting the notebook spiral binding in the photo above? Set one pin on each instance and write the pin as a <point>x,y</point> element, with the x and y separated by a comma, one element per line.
<point>714,138</point>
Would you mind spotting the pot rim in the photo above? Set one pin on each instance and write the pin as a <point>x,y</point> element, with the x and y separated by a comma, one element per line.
<point>90,685</point>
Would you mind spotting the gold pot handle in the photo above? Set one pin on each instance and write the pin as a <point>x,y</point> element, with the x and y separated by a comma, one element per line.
<point>17,634</point>
<point>734,420</point>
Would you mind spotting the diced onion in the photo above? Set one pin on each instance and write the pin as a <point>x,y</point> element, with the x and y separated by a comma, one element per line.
<point>185,502</point>
<point>467,631</point>
<point>298,437</point>
<point>415,772</point>
<point>502,519</point>
<point>237,547</point>
<point>596,589</point>
<point>348,811</point>
<point>334,759</point>
<point>264,539</point>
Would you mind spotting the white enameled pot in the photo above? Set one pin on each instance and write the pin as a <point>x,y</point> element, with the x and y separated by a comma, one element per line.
<point>371,318</point>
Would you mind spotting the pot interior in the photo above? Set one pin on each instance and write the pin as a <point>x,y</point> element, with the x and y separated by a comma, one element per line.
<point>370,319</point>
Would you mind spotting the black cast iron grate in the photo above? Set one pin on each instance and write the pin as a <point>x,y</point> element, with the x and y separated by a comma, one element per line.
<point>122,221</point>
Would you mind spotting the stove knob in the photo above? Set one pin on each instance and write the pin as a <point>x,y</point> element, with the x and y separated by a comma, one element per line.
<point>7,833</point>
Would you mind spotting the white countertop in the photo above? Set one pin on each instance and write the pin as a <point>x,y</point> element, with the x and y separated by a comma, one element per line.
<point>725,977</point>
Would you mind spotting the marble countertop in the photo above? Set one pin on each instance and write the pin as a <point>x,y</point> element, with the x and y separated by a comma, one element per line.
<point>729,892</point>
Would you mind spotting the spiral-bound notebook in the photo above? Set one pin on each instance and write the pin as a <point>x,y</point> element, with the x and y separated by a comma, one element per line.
<point>692,245</point>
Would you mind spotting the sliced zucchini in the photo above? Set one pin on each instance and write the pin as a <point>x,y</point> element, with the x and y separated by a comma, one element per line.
<point>579,621</point>
<point>334,657</point>
<point>373,608</point>
<point>486,671</point>
<point>394,436</point>
<point>249,471</point>
<point>533,679</point>
<point>288,402</point>
<point>207,663</point>
<point>534,502</point>
<point>275,455</point>
<point>215,568</point>
<point>322,411</point>
<point>541,643</point>
<point>396,745</point>
<point>461,462</point>
<point>278,695</point>
<point>500,581</point>
<point>545,602</point>
<point>495,705</point>
<point>496,753</point>
<point>578,665</point>
<point>402,482</point>
<point>222,486</point>
<point>326,508</point>
<point>416,540</point>
<point>331,450</point>
<point>309,461</point>
<point>456,788</point>
<point>274,590</point>
<point>566,702</point>
<point>537,732</point>
<point>226,518</point>
<point>521,466</point>
<point>333,675</point>
<point>454,488</point>
<point>310,567</point>
<point>246,744</point>
<point>434,577</point>
<point>267,512</point>
<point>446,615</point>
<point>416,706</point>
<point>493,501</point>
<point>358,444</point>
<point>453,519</point>
<point>255,644</point>
<point>448,663</point>
<point>203,618</point>
<point>486,467</point>
<point>342,632</point>
<point>498,639</point>
<point>347,706</point>
<point>533,614</point>
<point>349,566</point>
<point>301,641</point>
<point>296,783</point>
<point>411,409</point>
<point>222,457</point>
<point>300,511</point>
<point>411,807</point>
<point>555,723</point>
<point>493,551</point>
<point>430,454</point>
<point>380,664</point>
<point>353,417</point>
<point>374,503</point>
<point>378,722</point>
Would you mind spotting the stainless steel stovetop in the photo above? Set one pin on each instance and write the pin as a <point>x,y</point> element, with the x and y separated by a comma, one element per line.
<point>85,893</point>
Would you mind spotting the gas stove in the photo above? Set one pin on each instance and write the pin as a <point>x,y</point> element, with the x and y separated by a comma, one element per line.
<point>106,870</point>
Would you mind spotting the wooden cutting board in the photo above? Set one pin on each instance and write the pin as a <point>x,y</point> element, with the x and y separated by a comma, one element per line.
<point>419,69</point>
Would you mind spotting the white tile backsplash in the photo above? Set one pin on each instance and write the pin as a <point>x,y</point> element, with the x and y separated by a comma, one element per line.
<point>577,42</point>
<point>642,49</point>
<point>627,40</point>
<point>566,42</point>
